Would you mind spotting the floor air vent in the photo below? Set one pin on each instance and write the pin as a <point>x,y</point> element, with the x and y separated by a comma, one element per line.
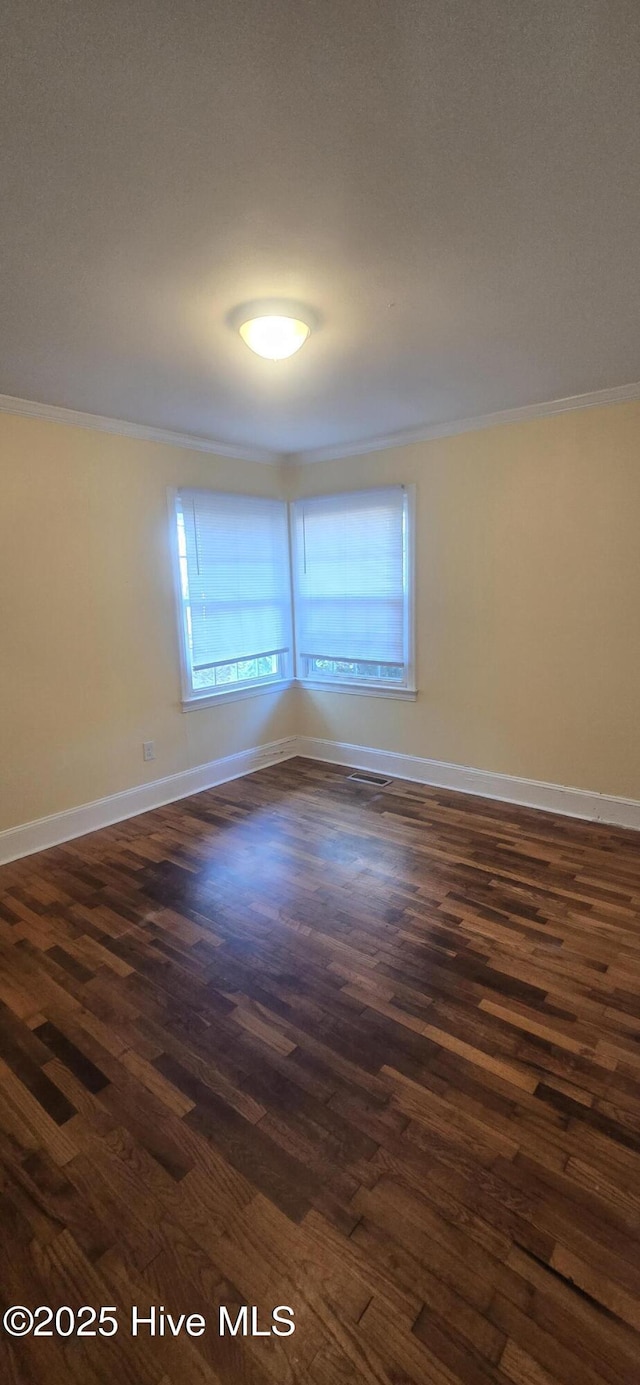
<point>378,780</point>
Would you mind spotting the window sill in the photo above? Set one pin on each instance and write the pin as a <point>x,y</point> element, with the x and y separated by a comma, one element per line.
<point>231,694</point>
<point>359,689</point>
<point>192,704</point>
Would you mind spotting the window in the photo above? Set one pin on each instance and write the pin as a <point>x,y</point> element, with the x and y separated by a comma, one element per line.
<point>235,592</point>
<point>352,585</point>
<point>352,570</point>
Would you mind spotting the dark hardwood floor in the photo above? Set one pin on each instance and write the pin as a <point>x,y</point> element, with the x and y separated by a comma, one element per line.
<point>373,1055</point>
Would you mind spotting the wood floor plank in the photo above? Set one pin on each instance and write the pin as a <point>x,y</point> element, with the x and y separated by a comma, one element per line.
<point>370,1053</point>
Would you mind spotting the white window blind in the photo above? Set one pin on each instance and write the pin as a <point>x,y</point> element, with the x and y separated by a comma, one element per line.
<point>351,583</point>
<point>235,586</point>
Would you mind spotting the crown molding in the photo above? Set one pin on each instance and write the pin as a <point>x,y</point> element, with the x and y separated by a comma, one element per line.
<point>618,394</point>
<point>53,413</point>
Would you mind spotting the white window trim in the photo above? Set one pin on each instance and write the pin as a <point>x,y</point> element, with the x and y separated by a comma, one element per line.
<point>406,690</point>
<point>192,702</point>
<point>236,693</point>
<point>398,691</point>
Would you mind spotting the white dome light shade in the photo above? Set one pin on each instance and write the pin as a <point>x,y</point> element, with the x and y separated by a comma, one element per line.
<point>273,327</point>
<point>274,337</point>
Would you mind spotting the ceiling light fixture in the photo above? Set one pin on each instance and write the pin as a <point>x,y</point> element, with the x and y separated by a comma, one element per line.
<point>274,337</point>
<point>274,328</point>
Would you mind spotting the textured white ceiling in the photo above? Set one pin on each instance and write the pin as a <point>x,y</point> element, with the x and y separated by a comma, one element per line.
<point>453,186</point>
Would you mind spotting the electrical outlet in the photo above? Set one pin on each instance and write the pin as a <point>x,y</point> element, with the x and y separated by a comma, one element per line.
<point>148,750</point>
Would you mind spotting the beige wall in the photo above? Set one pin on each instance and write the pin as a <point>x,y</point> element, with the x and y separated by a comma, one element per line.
<point>528,601</point>
<point>89,663</point>
<point>528,610</point>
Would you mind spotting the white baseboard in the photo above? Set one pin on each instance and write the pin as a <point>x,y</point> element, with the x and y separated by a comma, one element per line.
<point>76,822</point>
<point>529,793</point>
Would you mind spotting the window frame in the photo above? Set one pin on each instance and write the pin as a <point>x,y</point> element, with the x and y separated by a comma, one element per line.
<point>405,690</point>
<point>193,698</point>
